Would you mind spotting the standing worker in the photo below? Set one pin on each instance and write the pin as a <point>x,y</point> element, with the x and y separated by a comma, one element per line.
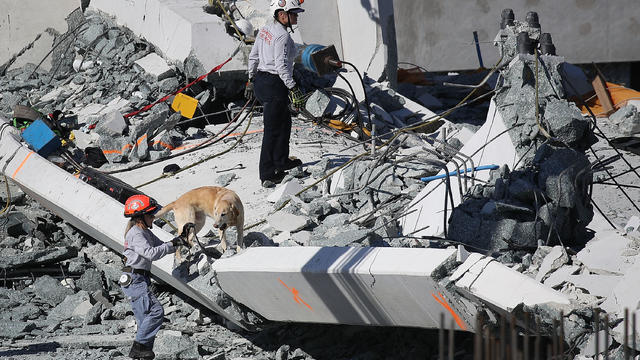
<point>141,247</point>
<point>271,77</point>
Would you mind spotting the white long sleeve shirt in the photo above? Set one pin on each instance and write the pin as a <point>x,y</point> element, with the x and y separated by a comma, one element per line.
<point>274,52</point>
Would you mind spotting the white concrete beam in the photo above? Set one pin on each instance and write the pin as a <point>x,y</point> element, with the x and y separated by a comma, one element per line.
<point>491,145</point>
<point>342,285</point>
<point>83,206</point>
<point>501,286</point>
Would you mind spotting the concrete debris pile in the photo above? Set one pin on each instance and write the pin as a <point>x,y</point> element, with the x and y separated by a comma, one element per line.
<point>546,199</point>
<point>100,72</point>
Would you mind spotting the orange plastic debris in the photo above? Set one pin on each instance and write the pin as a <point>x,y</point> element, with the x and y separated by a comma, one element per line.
<point>619,96</point>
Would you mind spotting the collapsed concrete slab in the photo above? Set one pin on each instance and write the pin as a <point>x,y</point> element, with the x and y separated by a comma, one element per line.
<point>477,278</point>
<point>342,285</point>
<point>177,29</point>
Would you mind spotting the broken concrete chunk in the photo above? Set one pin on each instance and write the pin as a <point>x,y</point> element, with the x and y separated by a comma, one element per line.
<point>115,149</point>
<point>282,237</point>
<point>302,237</point>
<point>169,85</point>
<point>317,103</point>
<point>50,290</point>
<point>566,122</point>
<point>553,261</point>
<point>560,276</point>
<point>171,344</point>
<point>112,124</point>
<point>155,66</point>
<point>627,119</point>
<point>90,280</point>
<point>90,35</point>
<point>225,179</point>
<point>15,329</point>
<point>283,221</point>
<point>65,310</point>
<point>164,141</point>
<point>291,187</point>
<point>82,309</point>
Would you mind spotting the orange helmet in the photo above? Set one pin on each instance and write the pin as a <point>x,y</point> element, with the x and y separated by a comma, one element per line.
<point>138,205</point>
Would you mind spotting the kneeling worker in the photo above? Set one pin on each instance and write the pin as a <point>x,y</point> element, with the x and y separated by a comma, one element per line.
<point>271,78</point>
<point>141,247</point>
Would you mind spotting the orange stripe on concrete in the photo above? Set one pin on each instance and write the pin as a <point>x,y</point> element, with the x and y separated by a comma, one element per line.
<point>141,139</point>
<point>162,144</point>
<point>22,164</point>
<point>296,295</point>
<point>106,152</point>
<point>440,299</point>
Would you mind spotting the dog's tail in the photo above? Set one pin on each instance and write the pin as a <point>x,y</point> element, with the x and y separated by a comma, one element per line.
<point>165,209</point>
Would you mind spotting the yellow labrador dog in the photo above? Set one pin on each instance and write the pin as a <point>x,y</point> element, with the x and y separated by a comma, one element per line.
<point>220,204</point>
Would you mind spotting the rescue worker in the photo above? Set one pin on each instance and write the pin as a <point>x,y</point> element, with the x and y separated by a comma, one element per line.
<point>271,78</point>
<point>141,247</point>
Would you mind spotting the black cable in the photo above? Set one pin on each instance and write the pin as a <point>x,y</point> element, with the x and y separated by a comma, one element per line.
<point>355,99</point>
<point>366,98</point>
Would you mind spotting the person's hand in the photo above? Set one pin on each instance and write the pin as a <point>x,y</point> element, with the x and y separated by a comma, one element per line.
<point>188,231</point>
<point>179,241</point>
<point>296,97</point>
<point>248,90</point>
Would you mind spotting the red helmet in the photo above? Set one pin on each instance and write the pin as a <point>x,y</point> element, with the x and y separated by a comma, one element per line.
<point>138,205</point>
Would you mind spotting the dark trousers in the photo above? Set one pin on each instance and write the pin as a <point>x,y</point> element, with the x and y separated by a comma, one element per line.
<point>273,94</point>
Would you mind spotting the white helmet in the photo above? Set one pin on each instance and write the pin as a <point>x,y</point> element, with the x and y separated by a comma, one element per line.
<point>286,5</point>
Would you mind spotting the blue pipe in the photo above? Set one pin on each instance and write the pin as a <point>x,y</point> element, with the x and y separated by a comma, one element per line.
<point>306,56</point>
<point>436,177</point>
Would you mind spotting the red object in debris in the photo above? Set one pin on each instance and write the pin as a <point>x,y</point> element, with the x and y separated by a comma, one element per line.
<point>92,126</point>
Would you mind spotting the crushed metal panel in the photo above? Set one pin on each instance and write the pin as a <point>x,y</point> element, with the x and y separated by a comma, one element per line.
<point>343,285</point>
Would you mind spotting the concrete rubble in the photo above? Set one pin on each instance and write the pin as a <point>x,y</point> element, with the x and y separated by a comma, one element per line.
<point>535,222</point>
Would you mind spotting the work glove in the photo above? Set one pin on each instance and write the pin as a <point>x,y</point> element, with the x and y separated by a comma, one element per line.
<point>188,230</point>
<point>248,90</point>
<point>296,97</point>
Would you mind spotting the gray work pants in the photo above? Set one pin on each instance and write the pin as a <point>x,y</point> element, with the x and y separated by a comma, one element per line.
<point>146,308</point>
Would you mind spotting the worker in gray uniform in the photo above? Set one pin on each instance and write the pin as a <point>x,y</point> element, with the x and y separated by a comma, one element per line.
<point>141,247</point>
<point>271,79</point>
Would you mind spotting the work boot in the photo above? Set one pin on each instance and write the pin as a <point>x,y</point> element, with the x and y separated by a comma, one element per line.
<point>140,351</point>
<point>276,178</point>
<point>291,163</point>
